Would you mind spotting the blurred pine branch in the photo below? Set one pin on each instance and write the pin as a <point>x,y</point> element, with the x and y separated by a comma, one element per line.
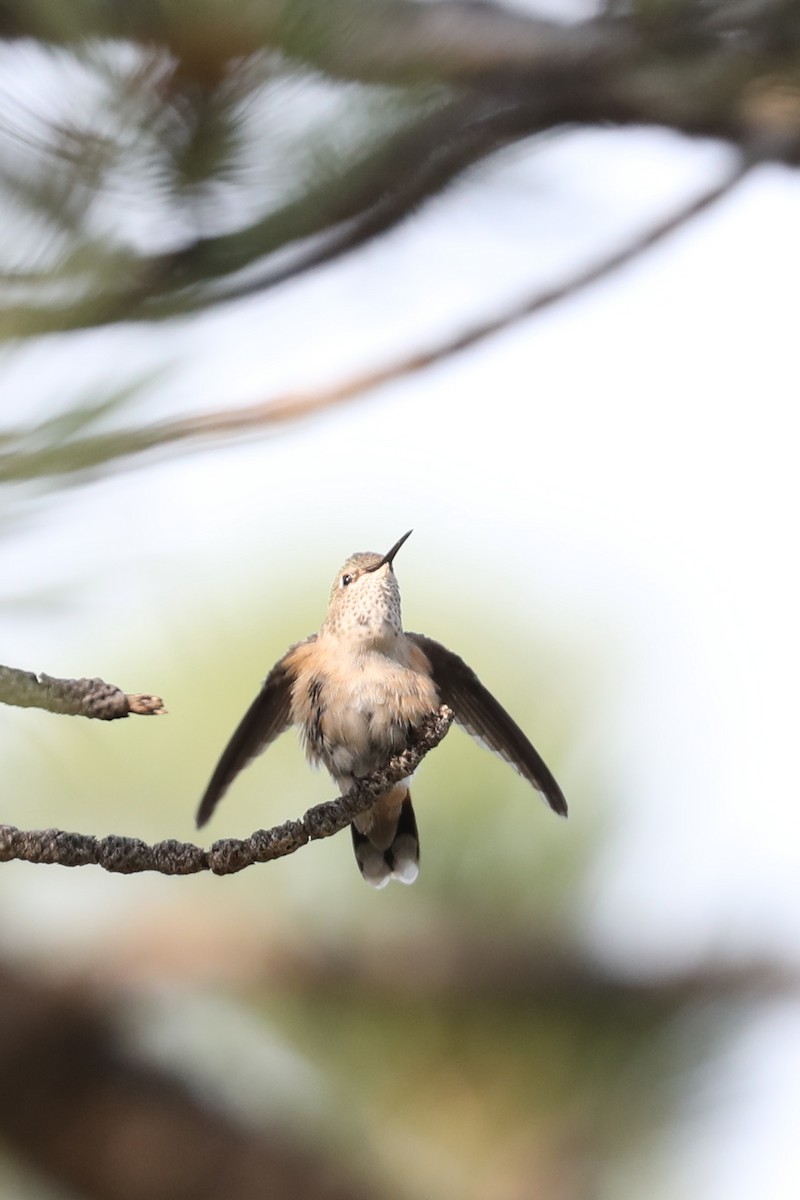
<point>158,160</point>
<point>254,143</point>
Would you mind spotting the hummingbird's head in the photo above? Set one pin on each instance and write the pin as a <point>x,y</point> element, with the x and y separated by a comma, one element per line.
<point>365,598</point>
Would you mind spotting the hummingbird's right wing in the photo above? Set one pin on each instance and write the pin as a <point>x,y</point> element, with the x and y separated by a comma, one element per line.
<point>266,718</point>
<point>486,720</point>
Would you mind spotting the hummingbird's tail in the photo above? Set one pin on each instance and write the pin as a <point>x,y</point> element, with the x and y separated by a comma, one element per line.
<point>385,839</point>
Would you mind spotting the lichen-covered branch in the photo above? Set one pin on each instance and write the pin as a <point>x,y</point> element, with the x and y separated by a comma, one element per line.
<point>75,697</point>
<point>128,856</point>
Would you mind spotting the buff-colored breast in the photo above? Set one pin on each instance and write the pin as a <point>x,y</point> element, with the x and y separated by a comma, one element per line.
<point>355,705</point>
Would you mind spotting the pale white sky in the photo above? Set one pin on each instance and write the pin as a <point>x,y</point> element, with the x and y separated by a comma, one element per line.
<point>629,456</point>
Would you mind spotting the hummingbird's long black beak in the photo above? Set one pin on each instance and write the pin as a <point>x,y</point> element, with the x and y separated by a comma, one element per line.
<point>387,558</point>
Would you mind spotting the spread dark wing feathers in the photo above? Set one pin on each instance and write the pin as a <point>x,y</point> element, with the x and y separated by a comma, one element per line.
<point>482,716</point>
<point>265,719</point>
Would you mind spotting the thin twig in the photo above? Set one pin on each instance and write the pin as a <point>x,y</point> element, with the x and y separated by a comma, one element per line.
<point>83,453</point>
<point>75,697</point>
<point>128,856</point>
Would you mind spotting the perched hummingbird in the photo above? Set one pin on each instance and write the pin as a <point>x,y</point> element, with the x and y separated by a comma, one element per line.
<point>356,689</point>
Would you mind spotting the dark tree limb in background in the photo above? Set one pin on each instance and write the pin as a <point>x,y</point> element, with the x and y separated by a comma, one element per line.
<point>75,697</point>
<point>78,1108</point>
<point>375,41</point>
<point>128,856</point>
<point>457,962</point>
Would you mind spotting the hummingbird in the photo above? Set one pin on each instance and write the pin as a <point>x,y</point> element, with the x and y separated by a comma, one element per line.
<point>356,690</point>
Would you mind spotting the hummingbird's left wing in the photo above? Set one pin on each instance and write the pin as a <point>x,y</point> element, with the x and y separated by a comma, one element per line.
<point>485,719</point>
<point>266,718</point>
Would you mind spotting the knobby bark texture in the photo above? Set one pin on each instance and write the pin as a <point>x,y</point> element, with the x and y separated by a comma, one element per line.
<point>128,856</point>
<point>75,697</point>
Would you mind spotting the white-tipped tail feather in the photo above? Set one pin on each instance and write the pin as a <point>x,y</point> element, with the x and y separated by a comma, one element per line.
<point>385,840</point>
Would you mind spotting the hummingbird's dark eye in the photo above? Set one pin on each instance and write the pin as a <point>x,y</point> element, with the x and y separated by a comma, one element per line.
<point>346,579</point>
